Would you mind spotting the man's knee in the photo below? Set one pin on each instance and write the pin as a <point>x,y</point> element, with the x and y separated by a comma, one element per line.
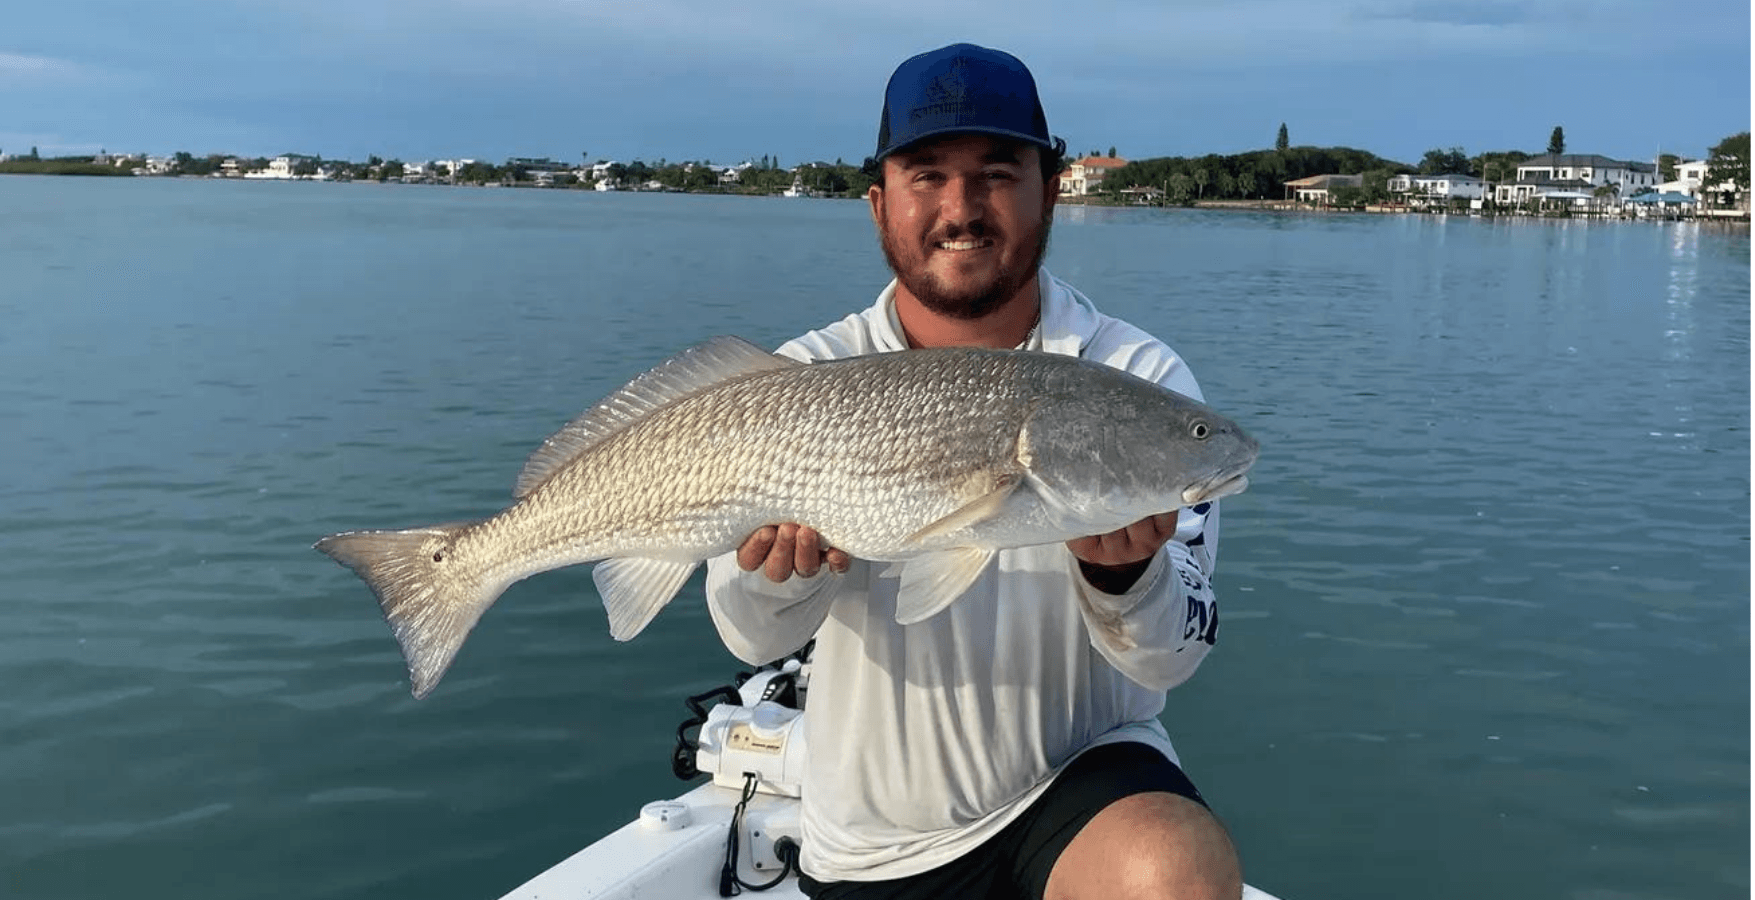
<point>1154,845</point>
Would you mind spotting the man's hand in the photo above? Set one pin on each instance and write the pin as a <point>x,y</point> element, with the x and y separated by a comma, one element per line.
<point>781,550</point>
<point>1113,562</point>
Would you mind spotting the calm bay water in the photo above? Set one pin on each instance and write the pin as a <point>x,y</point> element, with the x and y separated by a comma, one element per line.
<point>1485,606</point>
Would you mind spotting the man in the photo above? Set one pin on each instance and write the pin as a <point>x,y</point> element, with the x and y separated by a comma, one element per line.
<point>1008,746</point>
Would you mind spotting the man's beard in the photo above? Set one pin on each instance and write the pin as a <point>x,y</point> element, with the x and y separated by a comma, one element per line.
<point>971,305</point>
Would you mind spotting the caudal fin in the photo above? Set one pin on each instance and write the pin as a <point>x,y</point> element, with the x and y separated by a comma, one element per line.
<point>429,598</point>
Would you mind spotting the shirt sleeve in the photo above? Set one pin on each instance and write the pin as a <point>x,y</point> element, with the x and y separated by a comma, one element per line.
<point>761,621</point>
<point>1158,632</point>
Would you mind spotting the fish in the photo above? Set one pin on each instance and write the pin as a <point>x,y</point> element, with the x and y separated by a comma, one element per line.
<point>930,460</point>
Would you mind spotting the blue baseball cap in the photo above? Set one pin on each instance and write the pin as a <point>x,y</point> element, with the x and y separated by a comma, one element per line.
<point>961,89</point>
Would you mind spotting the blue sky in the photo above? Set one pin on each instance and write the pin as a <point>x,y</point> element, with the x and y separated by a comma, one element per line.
<point>698,80</point>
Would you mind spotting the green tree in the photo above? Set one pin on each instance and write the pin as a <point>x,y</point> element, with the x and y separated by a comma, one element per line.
<point>1283,141</point>
<point>1346,196</point>
<point>1667,166</point>
<point>1201,180</point>
<point>1728,161</point>
<point>1445,162</point>
<point>1181,187</point>
<point>1497,167</point>
<point>477,172</point>
<point>1112,151</point>
<point>1557,141</point>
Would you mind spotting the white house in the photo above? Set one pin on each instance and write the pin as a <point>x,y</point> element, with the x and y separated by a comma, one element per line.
<point>1691,180</point>
<point>282,167</point>
<point>1438,189</point>
<point>1565,174</point>
<point>734,174</point>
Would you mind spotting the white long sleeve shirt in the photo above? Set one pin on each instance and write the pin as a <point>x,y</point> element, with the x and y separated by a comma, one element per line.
<point>927,739</point>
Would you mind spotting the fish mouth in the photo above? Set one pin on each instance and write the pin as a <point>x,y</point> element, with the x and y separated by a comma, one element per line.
<point>1224,484</point>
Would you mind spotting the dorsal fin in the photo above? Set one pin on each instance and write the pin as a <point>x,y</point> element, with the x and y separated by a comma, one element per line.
<point>691,371</point>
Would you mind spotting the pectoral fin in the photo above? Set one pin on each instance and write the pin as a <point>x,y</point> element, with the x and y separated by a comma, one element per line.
<point>988,506</point>
<point>932,581</point>
<point>634,589</point>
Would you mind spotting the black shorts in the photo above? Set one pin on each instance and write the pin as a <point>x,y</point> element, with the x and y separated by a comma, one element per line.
<point>1016,862</point>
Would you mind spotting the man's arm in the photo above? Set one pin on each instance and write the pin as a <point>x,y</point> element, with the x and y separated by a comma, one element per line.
<point>770,597</point>
<point>1114,562</point>
<point>1159,626</point>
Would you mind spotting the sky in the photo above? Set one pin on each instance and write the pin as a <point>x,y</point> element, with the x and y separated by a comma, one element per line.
<point>802,80</point>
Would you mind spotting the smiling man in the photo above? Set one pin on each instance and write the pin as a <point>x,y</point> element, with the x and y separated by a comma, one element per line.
<point>1008,746</point>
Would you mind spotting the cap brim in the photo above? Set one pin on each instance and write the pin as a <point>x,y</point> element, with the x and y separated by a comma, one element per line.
<point>948,131</point>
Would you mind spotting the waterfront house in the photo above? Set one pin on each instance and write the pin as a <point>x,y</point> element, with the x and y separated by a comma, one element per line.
<point>1437,190</point>
<point>1559,176</point>
<point>734,174</point>
<point>1691,181</point>
<point>283,167</point>
<point>1316,188</point>
<point>1085,175</point>
<point>537,164</point>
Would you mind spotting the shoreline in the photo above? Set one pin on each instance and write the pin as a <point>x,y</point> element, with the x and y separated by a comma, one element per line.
<point>1724,216</point>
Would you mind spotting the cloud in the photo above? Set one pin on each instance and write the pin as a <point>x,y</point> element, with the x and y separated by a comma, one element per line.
<point>1492,13</point>
<point>20,66</point>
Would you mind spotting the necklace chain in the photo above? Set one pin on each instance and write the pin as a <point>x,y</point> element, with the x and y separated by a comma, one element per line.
<point>1032,334</point>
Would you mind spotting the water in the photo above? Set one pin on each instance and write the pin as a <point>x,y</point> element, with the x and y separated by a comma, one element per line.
<point>1485,626</point>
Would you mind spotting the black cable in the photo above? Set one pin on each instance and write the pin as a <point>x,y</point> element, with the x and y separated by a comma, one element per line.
<point>682,759</point>
<point>786,849</point>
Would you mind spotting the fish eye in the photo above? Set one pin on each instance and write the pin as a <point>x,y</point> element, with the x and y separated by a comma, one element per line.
<point>1200,431</point>
<point>438,556</point>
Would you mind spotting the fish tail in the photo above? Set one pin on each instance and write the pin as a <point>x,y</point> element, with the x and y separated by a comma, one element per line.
<point>430,606</point>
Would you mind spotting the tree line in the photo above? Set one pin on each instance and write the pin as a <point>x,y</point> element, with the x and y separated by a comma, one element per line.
<point>1254,175</point>
<point>1262,174</point>
<point>760,177</point>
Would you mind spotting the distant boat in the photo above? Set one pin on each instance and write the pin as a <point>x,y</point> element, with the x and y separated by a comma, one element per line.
<point>798,189</point>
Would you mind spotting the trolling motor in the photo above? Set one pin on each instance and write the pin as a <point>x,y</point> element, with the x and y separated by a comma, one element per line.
<point>750,739</point>
<point>755,728</point>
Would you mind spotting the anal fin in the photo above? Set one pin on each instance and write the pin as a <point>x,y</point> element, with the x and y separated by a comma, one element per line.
<point>635,588</point>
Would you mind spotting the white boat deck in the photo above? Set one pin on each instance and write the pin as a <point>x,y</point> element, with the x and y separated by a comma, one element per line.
<point>675,851</point>
<point>677,858</point>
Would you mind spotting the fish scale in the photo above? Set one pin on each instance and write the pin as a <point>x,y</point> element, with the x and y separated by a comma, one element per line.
<point>932,459</point>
